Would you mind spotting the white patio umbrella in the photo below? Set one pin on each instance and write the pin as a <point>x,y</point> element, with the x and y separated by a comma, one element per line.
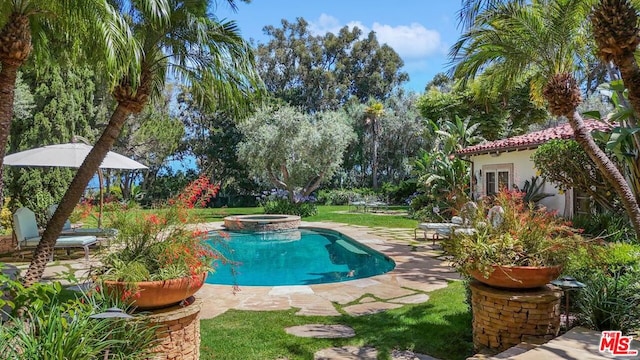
<point>70,155</point>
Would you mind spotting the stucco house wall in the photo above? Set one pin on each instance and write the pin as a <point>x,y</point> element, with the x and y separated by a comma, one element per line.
<point>523,169</point>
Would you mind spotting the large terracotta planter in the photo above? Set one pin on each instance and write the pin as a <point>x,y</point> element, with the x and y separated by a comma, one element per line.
<point>147,295</point>
<point>518,277</point>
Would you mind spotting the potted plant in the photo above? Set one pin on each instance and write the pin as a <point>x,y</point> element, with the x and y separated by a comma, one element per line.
<point>158,259</point>
<point>517,246</point>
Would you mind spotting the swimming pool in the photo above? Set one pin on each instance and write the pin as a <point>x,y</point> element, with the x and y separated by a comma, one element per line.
<point>297,257</point>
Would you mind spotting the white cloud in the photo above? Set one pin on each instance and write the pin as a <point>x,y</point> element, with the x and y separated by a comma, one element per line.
<point>409,41</point>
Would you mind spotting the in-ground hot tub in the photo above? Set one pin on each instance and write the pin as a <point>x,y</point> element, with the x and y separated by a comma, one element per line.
<point>261,222</point>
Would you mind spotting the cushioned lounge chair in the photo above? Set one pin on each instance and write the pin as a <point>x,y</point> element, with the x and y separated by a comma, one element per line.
<point>26,229</point>
<point>443,230</point>
<point>68,230</point>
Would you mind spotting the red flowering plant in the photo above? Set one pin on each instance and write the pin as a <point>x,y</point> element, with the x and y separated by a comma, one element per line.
<point>166,244</point>
<point>508,232</point>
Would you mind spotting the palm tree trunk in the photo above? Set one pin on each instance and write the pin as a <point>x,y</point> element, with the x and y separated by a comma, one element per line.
<point>86,171</point>
<point>8,74</point>
<point>15,47</point>
<point>374,166</point>
<point>608,169</point>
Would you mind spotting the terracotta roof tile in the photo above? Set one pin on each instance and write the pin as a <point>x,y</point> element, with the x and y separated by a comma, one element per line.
<point>531,140</point>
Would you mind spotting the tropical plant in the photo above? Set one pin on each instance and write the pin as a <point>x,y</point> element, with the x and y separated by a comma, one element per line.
<point>512,41</point>
<point>610,301</point>
<point>166,37</point>
<point>32,26</point>
<point>50,326</point>
<point>532,190</point>
<point>444,179</point>
<point>160,245</point>
<point>519,235</point>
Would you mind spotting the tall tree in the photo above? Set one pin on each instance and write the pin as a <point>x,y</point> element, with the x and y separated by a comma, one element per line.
<point>169,37</point>
<point>373,116</point>
<point>322,72</point>
<point>63,106</point>
<point>541,40</point>
<point>295,151</point>
<point>213,138</point>
<point>45,27</point>
<point>150,137</point>
<point>500,114</point>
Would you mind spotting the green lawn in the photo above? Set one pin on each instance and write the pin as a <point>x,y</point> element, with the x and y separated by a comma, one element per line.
<point>339,214</point>
<point>440,327</point>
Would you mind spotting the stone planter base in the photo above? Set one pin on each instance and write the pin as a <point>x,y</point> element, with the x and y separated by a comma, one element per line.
<point>178,332</point>
<point>505,318</point>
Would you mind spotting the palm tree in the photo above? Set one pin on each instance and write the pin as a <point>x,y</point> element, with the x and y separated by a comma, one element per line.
<point>174,38</point>
<point>30,26</point>
<point>541,40</point>
<point>615,29</point>
<point>373,114</point>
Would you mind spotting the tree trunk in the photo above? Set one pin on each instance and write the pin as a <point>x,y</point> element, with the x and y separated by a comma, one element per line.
<point>630,73</point>
<point>374,166</point>
<point>15,47</point>
<point>74,193</point>
<point>8,75</point>
<point>608,169</point>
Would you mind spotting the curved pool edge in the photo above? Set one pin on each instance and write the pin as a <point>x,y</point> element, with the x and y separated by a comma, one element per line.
<point>416,274</point>
<point>266,222</point>
<point>274,259</point>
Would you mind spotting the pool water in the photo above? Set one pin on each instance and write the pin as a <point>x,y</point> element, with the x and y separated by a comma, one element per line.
<point>295,257</point>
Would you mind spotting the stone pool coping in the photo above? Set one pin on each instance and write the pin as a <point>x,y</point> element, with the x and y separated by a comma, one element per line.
<point>418,271</point>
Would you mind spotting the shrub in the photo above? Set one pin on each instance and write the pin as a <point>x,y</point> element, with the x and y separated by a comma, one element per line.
<point>5,218</point>
<point>610,298</point>
<point>283,206</point>
<point>64,329</point>
<point>397,194</point>
<point>610,301</point>
<point>613,227</point>
<point>278,202</point>
<point>341,196</point>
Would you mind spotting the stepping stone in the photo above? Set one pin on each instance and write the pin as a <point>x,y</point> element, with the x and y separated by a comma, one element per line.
<point>369,308</point>
<point>413,299</point>
<point>321,331</point>
<point>346,353</point>
<point>409,355</point>
<point>365,353</point>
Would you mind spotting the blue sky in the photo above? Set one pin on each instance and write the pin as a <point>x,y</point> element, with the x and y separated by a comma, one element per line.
<point>420,31</point>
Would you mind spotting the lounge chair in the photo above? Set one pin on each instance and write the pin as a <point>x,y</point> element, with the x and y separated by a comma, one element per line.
<point>357,203</point>
<point>68,230</point>
<point>26,229</point>
<point>443,230</point>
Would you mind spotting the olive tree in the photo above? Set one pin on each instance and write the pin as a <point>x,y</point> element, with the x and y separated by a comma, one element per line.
<point>293,150</point>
